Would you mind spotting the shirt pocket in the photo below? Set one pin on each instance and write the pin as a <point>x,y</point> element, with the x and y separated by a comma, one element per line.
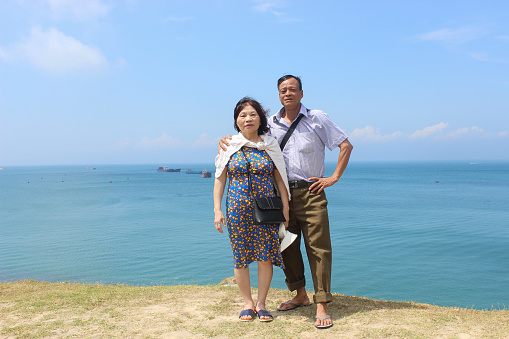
<point>305,142</point>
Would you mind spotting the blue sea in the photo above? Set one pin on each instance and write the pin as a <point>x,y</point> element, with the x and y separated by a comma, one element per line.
<point>432,232</point>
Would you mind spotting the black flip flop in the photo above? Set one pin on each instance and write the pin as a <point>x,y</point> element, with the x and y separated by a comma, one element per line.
<point>292,304</point>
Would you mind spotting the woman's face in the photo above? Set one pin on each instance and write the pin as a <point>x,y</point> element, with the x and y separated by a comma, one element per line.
<point>248,120</point>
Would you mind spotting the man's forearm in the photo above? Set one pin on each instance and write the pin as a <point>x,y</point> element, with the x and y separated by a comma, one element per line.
<point>345,149</point>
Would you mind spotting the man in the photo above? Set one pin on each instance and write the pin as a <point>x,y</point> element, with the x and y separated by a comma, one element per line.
<point>304,155</point>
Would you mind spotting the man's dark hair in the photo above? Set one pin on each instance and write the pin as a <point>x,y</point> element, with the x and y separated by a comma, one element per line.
<point>262,113</point>
<point>289,76</point>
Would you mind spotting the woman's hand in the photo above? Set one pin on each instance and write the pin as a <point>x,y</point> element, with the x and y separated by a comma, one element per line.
<point>219,221</point>
<point>219,184</point>
<point>284,196</point>
<point>286,213</point>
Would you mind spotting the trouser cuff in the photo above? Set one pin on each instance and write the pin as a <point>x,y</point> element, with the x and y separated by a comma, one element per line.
<point>296,285</point>
<point>322,297</point>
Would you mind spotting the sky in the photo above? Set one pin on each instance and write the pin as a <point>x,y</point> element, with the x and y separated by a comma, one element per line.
<point>91,82</point>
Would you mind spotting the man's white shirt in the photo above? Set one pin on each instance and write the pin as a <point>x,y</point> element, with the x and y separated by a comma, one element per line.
<point>304,152</point>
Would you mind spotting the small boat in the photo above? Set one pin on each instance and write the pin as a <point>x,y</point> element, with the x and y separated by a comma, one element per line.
<point>190,171</point>
<point>167,169</point>
<point>205,174</point>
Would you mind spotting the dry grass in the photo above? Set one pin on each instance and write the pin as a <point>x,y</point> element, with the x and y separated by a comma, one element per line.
<point>31,309</point>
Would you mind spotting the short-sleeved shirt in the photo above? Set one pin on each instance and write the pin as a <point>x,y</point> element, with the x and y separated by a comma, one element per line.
<point>304,152</point>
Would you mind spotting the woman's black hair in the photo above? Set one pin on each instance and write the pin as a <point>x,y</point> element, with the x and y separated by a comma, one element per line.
<point>262,113</point>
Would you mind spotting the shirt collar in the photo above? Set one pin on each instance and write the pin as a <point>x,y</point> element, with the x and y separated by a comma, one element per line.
<point>303,110</point>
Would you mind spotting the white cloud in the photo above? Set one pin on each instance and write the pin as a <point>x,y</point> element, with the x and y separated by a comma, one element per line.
<point>369,133</point>
<point>453,35</point>
<point>465,131</point>
<point>482,56</point>
<point>429,131</point>
<point>205,141</point>
<point>122,144</point>
<point>4,54</point>
<point>438,131</point>
<point>54,51</point>
<point>264,5</point>
<point>121,63</point>
<point>177,19</point>
<point>271,6</point>
<point>79,9</point>
<point>164,141</point>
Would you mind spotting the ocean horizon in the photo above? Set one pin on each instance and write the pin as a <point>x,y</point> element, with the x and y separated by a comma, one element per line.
<point>432,232</point>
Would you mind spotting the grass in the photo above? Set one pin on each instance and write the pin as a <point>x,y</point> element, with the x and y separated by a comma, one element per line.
<point>32,309</point>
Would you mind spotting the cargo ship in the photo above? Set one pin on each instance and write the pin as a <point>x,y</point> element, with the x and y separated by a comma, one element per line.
<point>167,169</point>
<point>205,174</point>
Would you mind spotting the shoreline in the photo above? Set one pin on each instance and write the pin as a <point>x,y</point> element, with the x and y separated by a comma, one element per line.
<point>40,309</point>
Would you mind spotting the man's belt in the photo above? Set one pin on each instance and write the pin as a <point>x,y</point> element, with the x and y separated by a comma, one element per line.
<point>299,183</point>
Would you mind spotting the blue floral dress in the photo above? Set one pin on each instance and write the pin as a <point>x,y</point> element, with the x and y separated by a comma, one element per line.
<point>250,242</point>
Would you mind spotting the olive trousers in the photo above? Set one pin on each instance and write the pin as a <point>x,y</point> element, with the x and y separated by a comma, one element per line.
<point>309,220</point>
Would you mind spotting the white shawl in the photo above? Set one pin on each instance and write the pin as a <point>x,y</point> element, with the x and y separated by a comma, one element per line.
<point>269,144</point>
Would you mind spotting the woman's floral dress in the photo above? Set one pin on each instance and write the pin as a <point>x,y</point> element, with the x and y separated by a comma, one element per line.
<point>250,242</point>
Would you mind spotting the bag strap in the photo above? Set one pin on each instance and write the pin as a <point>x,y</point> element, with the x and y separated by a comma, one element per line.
<point>290,131</point>
<point>248,172</point>
<point>249,176</point>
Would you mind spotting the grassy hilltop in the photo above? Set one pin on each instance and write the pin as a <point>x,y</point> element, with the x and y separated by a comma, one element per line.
<point>31,309</point>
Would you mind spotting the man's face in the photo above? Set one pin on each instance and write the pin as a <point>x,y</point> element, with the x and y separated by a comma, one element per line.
<point>289,93</point>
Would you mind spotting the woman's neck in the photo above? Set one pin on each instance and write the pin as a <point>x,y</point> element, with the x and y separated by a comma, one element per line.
<point>253,137</point>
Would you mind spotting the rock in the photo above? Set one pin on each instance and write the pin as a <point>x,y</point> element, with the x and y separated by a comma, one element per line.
<point>229,282</point>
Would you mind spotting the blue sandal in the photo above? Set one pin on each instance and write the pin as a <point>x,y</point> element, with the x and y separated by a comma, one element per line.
<point>249,313</point>
<point>265,313</point>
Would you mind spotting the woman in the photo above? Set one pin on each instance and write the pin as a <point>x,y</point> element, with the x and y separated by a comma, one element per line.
<point>251,242</point>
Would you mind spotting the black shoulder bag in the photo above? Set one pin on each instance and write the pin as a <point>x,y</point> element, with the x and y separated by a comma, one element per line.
<point>266,210</point>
